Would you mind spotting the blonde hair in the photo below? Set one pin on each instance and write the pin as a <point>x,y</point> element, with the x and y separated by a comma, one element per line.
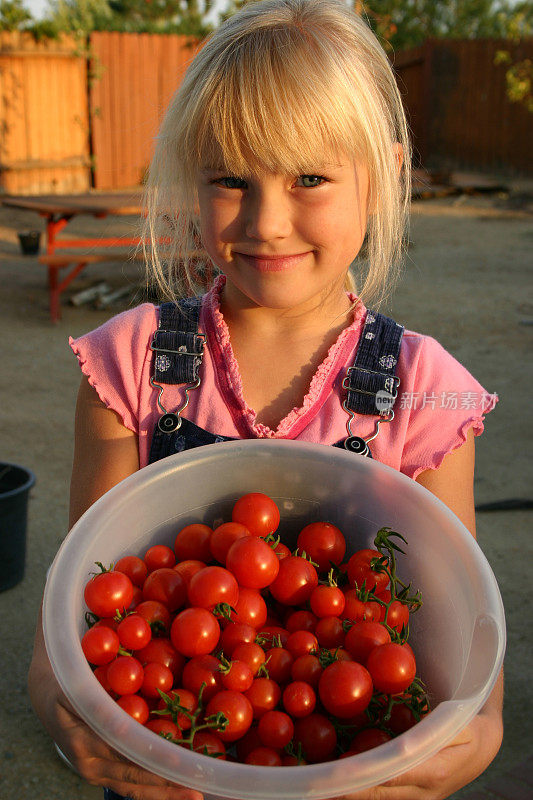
<point>275,87</point>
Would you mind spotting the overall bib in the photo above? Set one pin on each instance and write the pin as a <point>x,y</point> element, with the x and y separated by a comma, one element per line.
<point>371,384</point>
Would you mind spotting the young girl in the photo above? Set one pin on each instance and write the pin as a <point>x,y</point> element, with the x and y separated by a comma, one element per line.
<point>284,156</point>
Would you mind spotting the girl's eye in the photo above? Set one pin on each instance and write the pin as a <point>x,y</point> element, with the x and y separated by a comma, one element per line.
<point>309,181</point>
<point>230,182</point>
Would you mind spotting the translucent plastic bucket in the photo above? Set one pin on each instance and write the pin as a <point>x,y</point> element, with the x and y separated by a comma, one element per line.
<point>458,635</point>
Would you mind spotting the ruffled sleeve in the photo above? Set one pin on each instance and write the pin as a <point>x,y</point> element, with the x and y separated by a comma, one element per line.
<point>443,402</point>
<point>115,359</point>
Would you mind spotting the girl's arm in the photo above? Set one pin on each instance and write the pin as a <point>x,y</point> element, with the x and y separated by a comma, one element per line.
<point>105,452</point>
<point>476,746</point>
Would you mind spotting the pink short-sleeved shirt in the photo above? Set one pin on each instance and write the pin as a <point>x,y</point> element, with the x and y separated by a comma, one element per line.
<point>438,399</point>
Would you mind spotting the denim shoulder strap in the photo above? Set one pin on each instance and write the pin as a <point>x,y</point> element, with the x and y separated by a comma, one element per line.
<point>177,345</point>
<point>371,381</point>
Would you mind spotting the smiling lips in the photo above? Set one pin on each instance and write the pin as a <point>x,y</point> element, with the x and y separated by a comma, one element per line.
<point>263,263</point>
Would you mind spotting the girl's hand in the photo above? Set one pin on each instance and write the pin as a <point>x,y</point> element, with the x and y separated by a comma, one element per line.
<point>445,773</point>
<point>95,761</point>
<point>99,765</point>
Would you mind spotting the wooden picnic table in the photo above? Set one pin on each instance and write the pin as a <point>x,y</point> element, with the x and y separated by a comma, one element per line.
<point>58,210</point>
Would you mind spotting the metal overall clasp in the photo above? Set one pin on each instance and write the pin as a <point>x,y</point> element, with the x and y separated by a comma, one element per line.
<point>170,421</point>
<point>357,444</point>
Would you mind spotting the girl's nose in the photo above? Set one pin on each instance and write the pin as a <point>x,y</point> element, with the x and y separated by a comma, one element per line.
<point>267,216</point>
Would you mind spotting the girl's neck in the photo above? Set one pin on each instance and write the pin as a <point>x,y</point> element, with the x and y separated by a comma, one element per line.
<point>279,351</point>
<point>315,320</point>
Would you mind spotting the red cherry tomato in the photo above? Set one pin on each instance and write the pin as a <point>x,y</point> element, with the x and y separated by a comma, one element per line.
<point>354,608</point>
<point>250,608</point>
<point>163,652</point>
<point>301,642</point>
<point>368,739</point>
<point>199,670</point>
<point>397,615</point>
<point>100,645</point>
<point>360,570</point>
<point>134,632</point>
<point>330,632</point>
<point>209,744</point>
<point>317,736</point>
<point>251,653</point>
<point>159,556</point>
<point>323,543</point>
<point>235,633</point>
<point>301,620</point>
<point>253,562</point>
<point>100,673</point>
<point>275,729</point>
<point>166,586</point>
<point>307,668</point>
<point>211,586</point>
<point>362,637</point>
<point>184,698</point>
<point>164,727</point>
<point>134,567</point>
<point>299,699</point>
<point>345,688</point>
<point>392,668</point>
<point>264,695</point>
<point>238,711</point>
<point>188,568</point>
<point>136,706</point>
<point>156,678</point>
<point>295,581</point>
<point>257,512</point>
<point>223,537</point>
<point>263,757</point>
<point>107,593</point>
<point>194,632</point>
<point>125,675</point>
<point>238,676</point>
<point>279,663</point>
<point>327,601</point>
<point>156,614</point>
<point>192,542</point>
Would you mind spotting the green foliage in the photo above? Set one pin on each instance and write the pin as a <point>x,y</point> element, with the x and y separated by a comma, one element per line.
<point>131,16</point>
<point>13,15</point>
<point>402,24</point>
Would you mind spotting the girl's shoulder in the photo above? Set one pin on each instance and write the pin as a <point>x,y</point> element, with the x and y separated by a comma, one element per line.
<point>115,358</point>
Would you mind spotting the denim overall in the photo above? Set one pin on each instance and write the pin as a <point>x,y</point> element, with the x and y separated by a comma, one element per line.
<point>370,383</point>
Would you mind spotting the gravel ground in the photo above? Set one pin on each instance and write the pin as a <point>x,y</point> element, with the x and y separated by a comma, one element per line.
<point>465,283</point>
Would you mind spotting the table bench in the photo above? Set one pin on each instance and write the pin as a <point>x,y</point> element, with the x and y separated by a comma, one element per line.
<point>74,263</point>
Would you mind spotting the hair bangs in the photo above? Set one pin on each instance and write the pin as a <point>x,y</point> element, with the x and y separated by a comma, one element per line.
<point>272,110</point>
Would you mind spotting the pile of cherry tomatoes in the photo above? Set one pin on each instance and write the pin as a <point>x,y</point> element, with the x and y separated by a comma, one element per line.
<point>234,646</point>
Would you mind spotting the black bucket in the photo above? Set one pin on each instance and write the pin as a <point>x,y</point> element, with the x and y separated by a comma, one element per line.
<point>30,242</point>
<point>15,485</point>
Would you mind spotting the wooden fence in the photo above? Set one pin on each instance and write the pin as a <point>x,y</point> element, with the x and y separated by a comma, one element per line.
<point>72,119</point>
<point>134,78</point>
<point>458,109</point>
<point>44,116</point>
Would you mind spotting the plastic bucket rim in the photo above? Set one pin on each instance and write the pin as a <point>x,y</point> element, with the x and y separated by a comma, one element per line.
<point>25,487</point>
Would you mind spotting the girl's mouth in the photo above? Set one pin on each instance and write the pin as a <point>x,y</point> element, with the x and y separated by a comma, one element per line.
<point>270,263</point>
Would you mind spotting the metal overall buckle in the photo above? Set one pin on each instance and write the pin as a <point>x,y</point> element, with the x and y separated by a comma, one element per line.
<point>357,444</point>
<point>170,422</point>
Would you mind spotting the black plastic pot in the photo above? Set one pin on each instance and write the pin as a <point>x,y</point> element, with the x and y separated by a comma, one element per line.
<point>15,485</point>
<point>30,242</point>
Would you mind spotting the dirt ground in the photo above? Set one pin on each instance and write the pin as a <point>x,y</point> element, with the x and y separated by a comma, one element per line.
<point>467,282</point>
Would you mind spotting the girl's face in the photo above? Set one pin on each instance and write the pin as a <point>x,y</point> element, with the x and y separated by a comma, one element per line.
<point>284,241</point>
